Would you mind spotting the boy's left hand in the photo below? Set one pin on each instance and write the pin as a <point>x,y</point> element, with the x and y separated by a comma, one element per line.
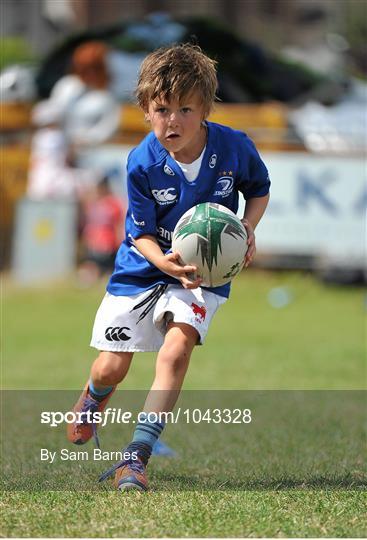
<point>251,250</point>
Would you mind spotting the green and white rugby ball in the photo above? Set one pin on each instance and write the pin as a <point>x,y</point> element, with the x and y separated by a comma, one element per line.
<point>212,238</point>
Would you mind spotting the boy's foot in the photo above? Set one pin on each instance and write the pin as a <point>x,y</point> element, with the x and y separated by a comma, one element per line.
<point>81,432</point>
<point>130,474</point>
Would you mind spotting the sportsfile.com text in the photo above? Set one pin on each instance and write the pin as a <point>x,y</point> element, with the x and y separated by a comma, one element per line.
<point>119,416</point>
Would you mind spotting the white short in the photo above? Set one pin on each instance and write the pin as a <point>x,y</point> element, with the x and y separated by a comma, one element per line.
<point>121,325</point>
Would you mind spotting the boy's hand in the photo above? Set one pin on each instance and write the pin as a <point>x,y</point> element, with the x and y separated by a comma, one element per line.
<point>251,250</point>
<point>254,211</point>
<point>171,265</point>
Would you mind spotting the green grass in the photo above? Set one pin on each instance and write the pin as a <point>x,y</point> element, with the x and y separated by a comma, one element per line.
<point>266,486</point>
<point>213,514</point>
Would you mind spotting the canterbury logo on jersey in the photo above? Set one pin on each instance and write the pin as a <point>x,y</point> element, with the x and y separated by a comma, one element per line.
<point>165,196</point>
<point>117,333</point>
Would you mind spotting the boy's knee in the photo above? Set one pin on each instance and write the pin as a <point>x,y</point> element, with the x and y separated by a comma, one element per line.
<point>172,362</point>
<point>181,335</point>
<point>110,367</point>
<point>178,345</point>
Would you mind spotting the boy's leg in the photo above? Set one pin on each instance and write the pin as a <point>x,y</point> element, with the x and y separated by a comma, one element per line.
<point>119,330</point>
<point>109,369</point>
<point>182,316</point>
<point>171,366</point>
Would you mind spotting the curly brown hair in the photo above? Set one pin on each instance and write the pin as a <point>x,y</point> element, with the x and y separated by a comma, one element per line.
<point>177,71</point>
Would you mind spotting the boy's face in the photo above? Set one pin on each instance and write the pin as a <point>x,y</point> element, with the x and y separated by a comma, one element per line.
<point>178,125</point>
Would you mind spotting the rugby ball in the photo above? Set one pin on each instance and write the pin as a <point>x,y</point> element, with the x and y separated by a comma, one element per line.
<point>212,238</point>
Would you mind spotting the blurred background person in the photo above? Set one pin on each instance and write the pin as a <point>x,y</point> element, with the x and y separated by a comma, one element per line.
<point>51,172</point>
<point>103,217</point>
<point>92,114</point>
<point>80,113</point>
<point>80,102</point>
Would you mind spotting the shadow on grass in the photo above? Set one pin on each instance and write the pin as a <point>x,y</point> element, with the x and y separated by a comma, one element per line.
<point>317,482</point>
<point>161,482</point>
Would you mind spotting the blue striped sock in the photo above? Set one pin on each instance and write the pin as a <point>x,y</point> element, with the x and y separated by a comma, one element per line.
<point>99,392</point>
<point>146,433</point>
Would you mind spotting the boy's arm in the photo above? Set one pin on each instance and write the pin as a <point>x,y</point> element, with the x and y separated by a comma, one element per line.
<point>254,210</point>
<point>169,264</point>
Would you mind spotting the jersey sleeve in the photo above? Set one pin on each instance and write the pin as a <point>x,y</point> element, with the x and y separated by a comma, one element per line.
<point>254,180</point>
<point>141,204</point>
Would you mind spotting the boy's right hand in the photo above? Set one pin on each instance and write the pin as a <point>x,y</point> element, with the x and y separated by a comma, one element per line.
<point>171,264</point>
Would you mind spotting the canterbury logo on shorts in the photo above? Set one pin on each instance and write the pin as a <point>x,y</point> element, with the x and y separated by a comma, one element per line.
<point>117,333</point>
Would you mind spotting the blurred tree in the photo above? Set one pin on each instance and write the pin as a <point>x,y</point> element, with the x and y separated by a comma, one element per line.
<point>355,31</point>
<point>15,50</point>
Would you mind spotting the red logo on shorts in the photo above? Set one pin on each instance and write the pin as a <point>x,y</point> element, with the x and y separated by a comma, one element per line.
<point>199,312</point>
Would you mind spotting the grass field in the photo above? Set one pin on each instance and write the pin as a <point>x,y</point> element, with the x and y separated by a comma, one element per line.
<point>317,342</point>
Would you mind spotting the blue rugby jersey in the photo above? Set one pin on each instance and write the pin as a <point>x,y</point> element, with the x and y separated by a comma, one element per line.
<point>159,195</point>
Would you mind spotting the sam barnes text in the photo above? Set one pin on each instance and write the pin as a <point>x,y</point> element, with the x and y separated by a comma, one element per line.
<point>64,454</point>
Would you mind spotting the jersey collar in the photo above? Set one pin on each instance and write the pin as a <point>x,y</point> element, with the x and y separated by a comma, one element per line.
<point>210,157</point>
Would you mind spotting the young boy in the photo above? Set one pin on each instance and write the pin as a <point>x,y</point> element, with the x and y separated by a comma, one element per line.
<point>148,304</point>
